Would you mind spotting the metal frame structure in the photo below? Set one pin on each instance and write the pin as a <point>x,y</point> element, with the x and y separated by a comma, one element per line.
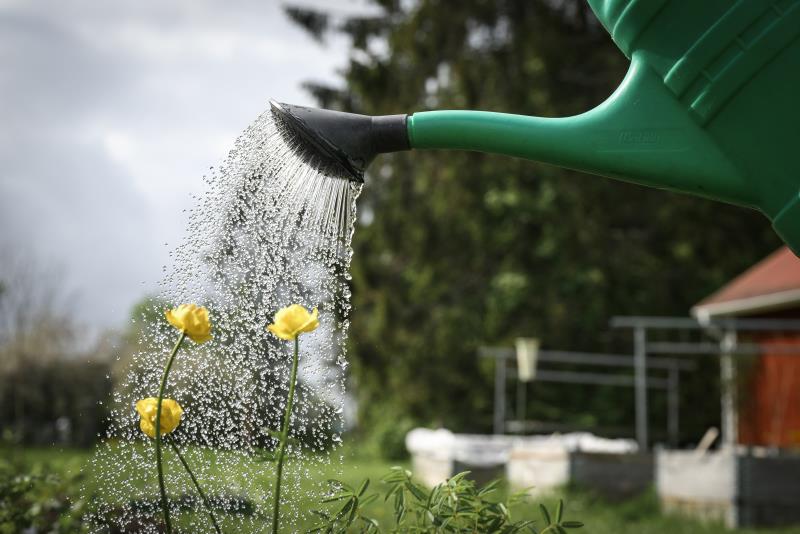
<point>671,384</point>
<point>725,344</point>
<point>647,355</point>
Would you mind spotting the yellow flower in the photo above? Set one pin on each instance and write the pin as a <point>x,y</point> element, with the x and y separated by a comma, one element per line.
<point>293,321</point>
<point>191,319</point>
<point>171,413</point>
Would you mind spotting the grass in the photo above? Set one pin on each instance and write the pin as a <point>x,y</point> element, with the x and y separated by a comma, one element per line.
<point>640,515</point>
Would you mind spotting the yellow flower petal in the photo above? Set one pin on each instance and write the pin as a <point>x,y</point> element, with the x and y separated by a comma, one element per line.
<point>171,413</point>
<point>147,407</point>
<point>293,320</point>
<point>148,427</point>
<point>311,324</point>
<point>191,319</point>
<point>280,332</point>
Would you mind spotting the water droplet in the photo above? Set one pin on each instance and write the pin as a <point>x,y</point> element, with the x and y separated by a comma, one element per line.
<point>272,228</point>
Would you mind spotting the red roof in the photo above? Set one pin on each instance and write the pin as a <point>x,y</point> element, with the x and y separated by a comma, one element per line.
<point>765,284</point>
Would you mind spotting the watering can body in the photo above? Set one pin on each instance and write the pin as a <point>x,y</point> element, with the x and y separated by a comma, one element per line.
<point>709,107</point>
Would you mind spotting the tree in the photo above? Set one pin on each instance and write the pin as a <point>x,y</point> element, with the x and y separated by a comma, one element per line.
<point>49,391</point>
<point>456,250</point>
<point>35,322</point>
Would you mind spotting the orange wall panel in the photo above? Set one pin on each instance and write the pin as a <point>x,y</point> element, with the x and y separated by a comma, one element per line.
<point>769,402</point>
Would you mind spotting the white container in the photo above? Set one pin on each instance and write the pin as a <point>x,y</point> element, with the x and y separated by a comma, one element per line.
<point>739,487</point>
<point>436,455</point>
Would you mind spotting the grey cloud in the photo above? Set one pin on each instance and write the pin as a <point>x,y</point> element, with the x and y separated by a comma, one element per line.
<point>111,111</point>
<point>49,74</point>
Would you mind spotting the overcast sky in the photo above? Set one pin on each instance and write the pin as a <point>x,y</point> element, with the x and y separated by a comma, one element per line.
<point>112,110</point>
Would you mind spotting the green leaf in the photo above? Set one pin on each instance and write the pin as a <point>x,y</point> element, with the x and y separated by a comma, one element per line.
<point>491,487</point>
<point>338,484</point>
<point>368,499</point>
<point>399,506</point>
<point>416,491</point>
<point>346,507</point>
<point>324,526</point>
<point>545,515</point>
<point>431,495</point>
<point>353,512</point>
<point>322,514</point>
<point>494,525</point>
<point>559,510</point>
<point>363,488</point>
<point>572,524</point>
<point>335,498</point>
<point>525,524</point>
<point>455,479</point>
<point>371,522</point>
<point>503,509</point>
<point>396,474</point>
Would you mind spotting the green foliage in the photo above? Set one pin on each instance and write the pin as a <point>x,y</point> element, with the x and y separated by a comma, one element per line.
<point>637,516</point>
<point>456,505</point>
<point>348,509</point>
<point>457,250</point>
<point>385,437</point>
<point>37,500</point>
<point>54,401</point>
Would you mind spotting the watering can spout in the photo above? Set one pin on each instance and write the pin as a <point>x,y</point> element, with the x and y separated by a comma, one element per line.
<point>346,141</point>
<point>640,134</point>
<point>708,107</point>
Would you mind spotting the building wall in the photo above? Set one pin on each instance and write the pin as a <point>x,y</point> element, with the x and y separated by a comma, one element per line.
<point>769,404</point>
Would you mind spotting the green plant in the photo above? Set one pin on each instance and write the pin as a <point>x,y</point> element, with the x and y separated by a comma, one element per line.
<point>191,321</point>
<point>385,436</point>
<point>289,323</point>
<point>33,500</point>
<point>457,505</point>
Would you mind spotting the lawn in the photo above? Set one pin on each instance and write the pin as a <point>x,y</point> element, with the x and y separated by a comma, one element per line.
<point>62,473</point>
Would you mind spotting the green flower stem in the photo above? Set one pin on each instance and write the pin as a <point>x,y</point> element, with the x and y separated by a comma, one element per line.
<point>159,466</point>
<point>285,437</point>
<point>206,502</point>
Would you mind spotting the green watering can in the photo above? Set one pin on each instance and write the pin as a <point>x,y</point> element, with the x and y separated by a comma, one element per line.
<point>710,106</point>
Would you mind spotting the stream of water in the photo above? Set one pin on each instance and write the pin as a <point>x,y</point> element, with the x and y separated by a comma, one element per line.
<point>273,228</point>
